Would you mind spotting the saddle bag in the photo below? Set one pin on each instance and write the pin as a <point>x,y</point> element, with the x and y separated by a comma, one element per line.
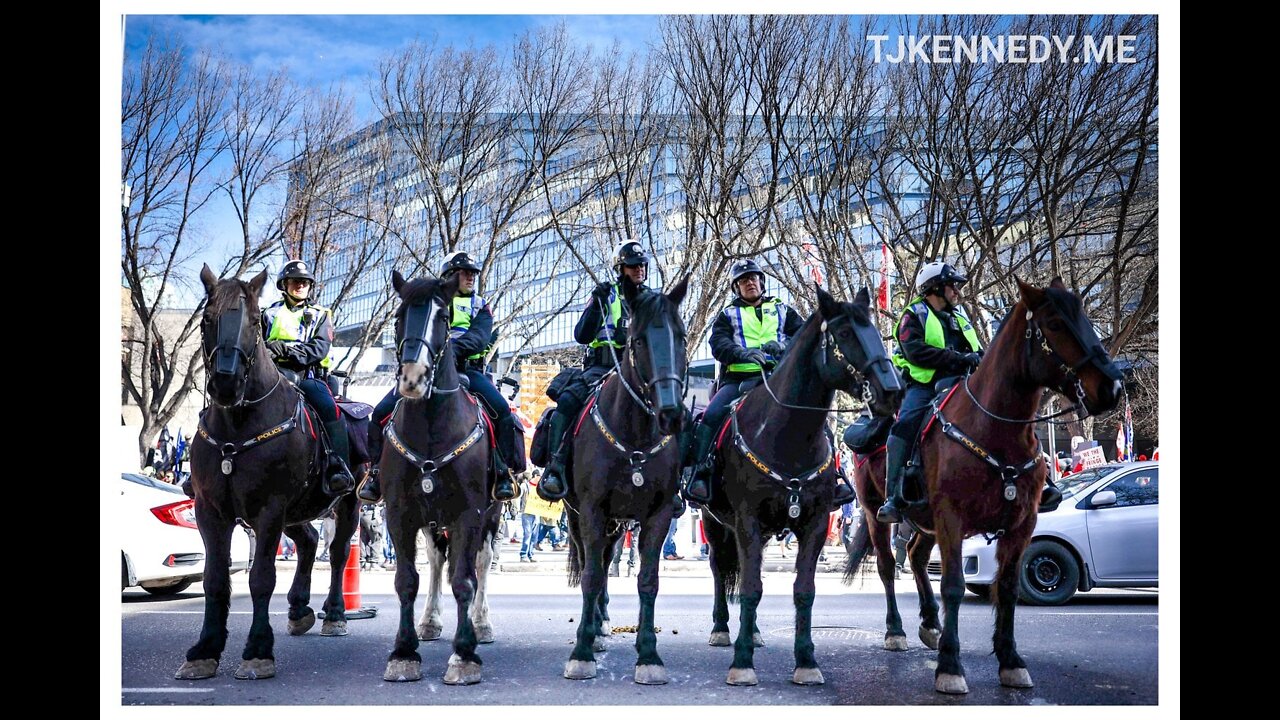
<point>559,383</point>
<point>540,447</point>
<point>867,434</point>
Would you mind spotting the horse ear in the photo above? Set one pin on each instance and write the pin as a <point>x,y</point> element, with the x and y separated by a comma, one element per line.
<point>1031,295</point>
<point>677,293</point>
<point>258,282</point>
<point>827,305</point>
<point>450,288</point>
<point>209,279</point>
<point>397,281</point>
<point>1057,283</point>
<point>864,297</point>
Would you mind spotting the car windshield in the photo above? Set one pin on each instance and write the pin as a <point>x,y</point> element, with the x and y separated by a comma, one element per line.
<point>1072,484</point>
<point>151,482</point>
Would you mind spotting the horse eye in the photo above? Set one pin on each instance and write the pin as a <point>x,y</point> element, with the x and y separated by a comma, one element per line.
<point>1056,325</point>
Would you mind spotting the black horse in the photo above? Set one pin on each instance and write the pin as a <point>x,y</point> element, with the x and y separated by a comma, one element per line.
<point>437,475</point>
<point>776,470</point>
<point>626,466</point>
<point>257,456</point>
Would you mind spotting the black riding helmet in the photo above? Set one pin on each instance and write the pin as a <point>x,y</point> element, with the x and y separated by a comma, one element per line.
<point>741,269</point>
<point>456,261</point>
<point>294,269</point>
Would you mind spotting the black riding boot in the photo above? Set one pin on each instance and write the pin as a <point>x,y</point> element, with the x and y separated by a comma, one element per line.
<point>699,488</point>
<point>512,454</point>
<point>1050,497</point>
<point>844,491</point>
<point>338,480</point>
<point>552,487</point>
<point>370,491</point>
<point>896,450</point>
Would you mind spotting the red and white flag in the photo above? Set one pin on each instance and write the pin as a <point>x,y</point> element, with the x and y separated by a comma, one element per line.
<point>884,277</point>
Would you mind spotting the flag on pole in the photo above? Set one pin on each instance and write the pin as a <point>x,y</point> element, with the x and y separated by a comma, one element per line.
<point>1124,436</point>
<point>884,277</point>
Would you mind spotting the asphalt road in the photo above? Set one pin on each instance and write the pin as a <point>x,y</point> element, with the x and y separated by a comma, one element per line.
<point>1099,649</point>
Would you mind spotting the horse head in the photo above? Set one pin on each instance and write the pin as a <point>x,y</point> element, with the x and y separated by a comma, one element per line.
<point>854,353</point>
<point>656,340</point>
<point>230,335</point>
<point>422,332</point>
<point>1063,350</point>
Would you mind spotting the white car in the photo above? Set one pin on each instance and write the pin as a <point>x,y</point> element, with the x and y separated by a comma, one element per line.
<point>160,547</point>
<point>1104,534</point>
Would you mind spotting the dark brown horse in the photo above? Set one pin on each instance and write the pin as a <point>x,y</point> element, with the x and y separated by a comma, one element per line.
<point>982,463</point>
<point>626,467</point>
<point>776,470</point>
<point>256,456</point>
<point>437,476</point>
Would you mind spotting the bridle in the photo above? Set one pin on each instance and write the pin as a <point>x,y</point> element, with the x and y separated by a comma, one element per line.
<point>411,346</point>
<point>645,404</point>
<point>227,350</point>
<point>827,342</point>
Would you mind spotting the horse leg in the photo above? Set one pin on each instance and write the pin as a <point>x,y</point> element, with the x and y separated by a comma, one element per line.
<point>649,667</point>
<point>810,541</point>
<point>722,556</point>
<point>404,664</point>
<point>894,637</point>
<point>430,626</point>
<point>464,664</point>
<point>202,658</point>
<point>582,661</point>
<point>1013,671</point>
<point>750,590</point>
<point>480,608</point>
<point>949,676</point>
<point>258,661</point>
<point>348,522</point>
<point>918,555</point>
<point>301,617</point>
<point>606,628</point>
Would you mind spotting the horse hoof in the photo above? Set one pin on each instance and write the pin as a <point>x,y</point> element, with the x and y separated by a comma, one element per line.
<point>951,684</point>
<point>807,676</point>
<point>1015,678</point>
<point>429,632</point>
<point>402,671</point>
<point>719,639</point>
<point>197,669</point>
<point>896,643</point>
<point>605,629</point>
<point>484,634</point>
<point>256,669</point>
<point>742,676</point>
<point>757,639</point>
<point>930,637</point>
<point>337,628</point>
<point>302,624</point>
<point>461,672</point>
<point>580,669</point>
<point>651,675</point>
<point>599,645</point>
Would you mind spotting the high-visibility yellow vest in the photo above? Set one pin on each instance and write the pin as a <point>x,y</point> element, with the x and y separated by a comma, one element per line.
<point>751,331</point>
<point>299,323</point>
<point>609,328</point>
<point>935,337</point>
<point>464,308</point>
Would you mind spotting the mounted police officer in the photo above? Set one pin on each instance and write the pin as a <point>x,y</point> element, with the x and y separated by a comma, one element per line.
<point>602,327</point>
<point>298,335</point>
<point>471,333</point>
<point>936,340</point>
<point>747,337</point>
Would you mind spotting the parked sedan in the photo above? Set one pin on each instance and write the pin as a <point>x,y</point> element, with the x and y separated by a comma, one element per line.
<point>161,549</point>
<point>1104,534</point>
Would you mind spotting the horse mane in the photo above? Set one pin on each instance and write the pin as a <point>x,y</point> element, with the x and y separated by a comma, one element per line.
<point>222,300</point>
<point>649,304</point>
<point>418,290</point>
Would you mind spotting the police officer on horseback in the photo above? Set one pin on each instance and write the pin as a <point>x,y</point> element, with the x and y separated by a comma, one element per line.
<point>749,336</point>
<point>936,340</point>
<point>471,333</point>
<point>602,327</point>
<point>298,334</point>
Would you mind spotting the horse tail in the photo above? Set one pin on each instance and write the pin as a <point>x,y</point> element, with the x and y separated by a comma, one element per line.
<point>574,564</point>
<point>859,548</point>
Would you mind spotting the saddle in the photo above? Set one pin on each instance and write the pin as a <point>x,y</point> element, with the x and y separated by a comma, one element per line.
<point>867,434</point>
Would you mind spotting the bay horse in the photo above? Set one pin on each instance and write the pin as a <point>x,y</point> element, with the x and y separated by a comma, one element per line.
<point>257,456</point>
<point>983,468</point>
<point>437,476</point>
<point>626,467</point>
<point>775,470</point>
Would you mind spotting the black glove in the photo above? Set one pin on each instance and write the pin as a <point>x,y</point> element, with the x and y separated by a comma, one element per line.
<point>774,349</point>
<point>970,359</point>
<point>602,291</point>
<point>278,348</point>
<point>757,356</point>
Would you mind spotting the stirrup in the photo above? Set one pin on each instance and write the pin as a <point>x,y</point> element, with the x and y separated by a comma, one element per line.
<point>552,494</point>
<point>370,490</point>
<point>338,481</point>
<point>702,495</point>
<point>505,489</point>
<point>889,512</point>
<point>844,494</point>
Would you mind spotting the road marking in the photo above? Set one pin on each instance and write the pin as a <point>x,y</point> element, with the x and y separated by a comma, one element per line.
<point>200,612</point>
<point>1097,613</point>
<point>166,690</point>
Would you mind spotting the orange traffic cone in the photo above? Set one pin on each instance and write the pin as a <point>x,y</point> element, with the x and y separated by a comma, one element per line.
<point>351,584</point>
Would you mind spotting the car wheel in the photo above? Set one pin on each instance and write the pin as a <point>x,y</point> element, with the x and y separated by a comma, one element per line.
<point>173,589</point>
<point>982,591</point>
<point>1050,575</point>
